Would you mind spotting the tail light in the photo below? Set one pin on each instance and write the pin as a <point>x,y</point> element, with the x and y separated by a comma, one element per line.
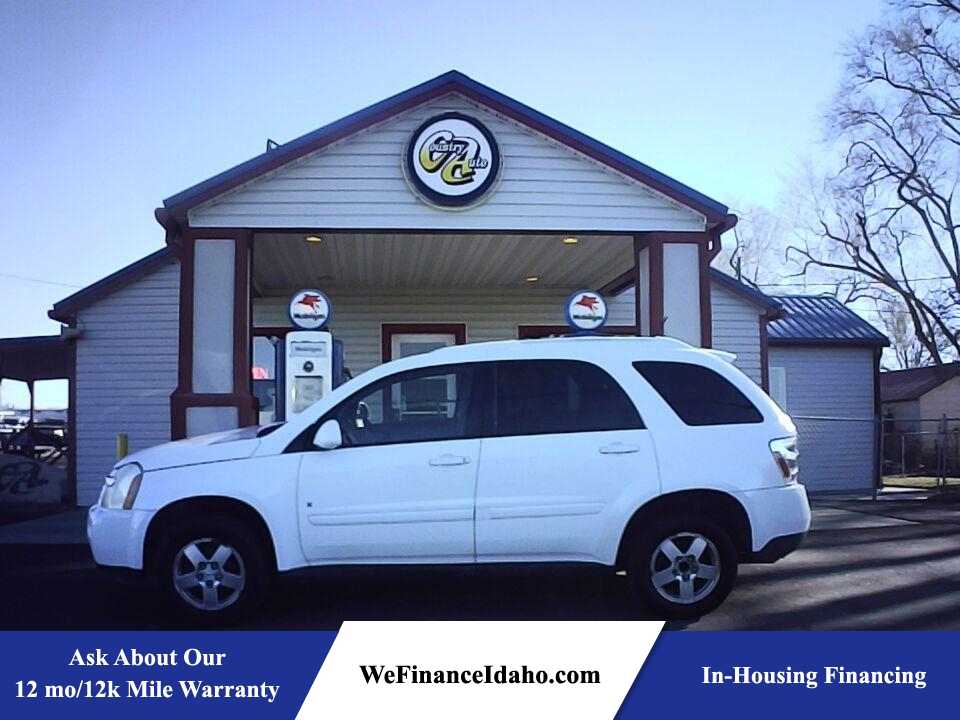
<point>785,455</point>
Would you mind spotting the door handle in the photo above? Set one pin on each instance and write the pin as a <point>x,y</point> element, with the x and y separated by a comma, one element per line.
<point>618,448</point>
<point>447,460</point>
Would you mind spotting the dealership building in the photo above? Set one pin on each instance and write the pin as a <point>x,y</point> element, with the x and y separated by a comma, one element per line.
<point>446,214</point>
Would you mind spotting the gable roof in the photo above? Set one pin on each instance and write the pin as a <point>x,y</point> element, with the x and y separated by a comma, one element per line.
<point>900,385</point>
<point>821,320</point>
<point>772,306</point>
<point>64,310</point>
<point>176,206</point>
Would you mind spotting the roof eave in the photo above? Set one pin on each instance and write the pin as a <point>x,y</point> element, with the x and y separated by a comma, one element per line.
<point>820,342</point>
<point>716,214</point>
<point>65,310</point>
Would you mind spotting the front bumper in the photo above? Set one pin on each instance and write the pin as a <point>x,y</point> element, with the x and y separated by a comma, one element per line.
<point>116,537</point>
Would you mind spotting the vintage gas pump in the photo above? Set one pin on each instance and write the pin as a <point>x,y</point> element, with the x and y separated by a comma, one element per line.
<point>311,365</point>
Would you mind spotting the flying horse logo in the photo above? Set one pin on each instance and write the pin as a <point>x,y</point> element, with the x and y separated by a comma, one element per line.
<point>311,301</point>
<point>456,158</point>
<point>590,302</point>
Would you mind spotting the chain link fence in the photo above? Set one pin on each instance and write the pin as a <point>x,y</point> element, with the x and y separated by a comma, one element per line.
<point>921,452</point>
<point>838,454</point>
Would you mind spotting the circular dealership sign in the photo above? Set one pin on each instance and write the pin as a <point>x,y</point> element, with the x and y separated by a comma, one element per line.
<point>452,161</point>
<point>586,310</point>
<point>310,310</point>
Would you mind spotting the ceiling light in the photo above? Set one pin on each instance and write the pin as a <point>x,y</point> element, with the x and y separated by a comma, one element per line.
<point>570,240</point>
<point>532,279</point>
<point>314,238</point>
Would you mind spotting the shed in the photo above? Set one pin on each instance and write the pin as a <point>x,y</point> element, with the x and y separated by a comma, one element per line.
<point>824,362</point>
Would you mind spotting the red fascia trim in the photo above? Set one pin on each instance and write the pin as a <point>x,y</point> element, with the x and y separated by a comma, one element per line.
<point>64,310</point>
<point>710,214</point>
<point>764,355</point>
<point>279,157</point>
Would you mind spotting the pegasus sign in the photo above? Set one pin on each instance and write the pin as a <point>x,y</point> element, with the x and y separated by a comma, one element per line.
<point>586,311</point>
<point>309,310</point>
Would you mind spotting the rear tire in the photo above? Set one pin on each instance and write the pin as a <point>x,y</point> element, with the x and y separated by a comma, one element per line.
<point>682,567</point>
<point>213,571</point>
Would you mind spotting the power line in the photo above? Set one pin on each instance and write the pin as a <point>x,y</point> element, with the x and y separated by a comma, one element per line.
<point>37,280</point>
<point>835,283</point>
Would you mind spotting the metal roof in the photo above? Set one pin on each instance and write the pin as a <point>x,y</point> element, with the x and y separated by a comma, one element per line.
<point>821,320</point>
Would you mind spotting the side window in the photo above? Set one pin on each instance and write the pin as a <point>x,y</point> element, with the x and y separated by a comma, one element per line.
<point>417,406</point>
<point>539,397</point>
<point>698,395</point>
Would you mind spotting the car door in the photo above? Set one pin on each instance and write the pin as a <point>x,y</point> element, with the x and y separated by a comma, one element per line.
<point>568,442</point>
<point>401,488</point>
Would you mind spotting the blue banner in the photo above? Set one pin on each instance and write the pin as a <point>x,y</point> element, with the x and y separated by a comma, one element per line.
<point>269,674</point>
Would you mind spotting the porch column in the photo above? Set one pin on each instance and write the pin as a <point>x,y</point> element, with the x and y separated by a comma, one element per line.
<point>673,275</point>
<point>213,391</point>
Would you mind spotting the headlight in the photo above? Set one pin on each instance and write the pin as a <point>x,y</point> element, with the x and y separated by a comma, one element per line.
<point>121,486</point>
<point>785,455</point>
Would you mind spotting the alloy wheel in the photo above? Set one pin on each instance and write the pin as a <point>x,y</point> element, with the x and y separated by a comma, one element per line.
<point>209,574</point>
<point>685,568</point>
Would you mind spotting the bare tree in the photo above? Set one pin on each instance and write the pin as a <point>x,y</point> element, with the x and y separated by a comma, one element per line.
<point>757,255</point>
<point>885,226</point>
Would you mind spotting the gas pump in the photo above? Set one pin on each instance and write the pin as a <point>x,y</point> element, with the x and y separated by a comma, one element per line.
<point>312,367</point>
<point>309,361</point>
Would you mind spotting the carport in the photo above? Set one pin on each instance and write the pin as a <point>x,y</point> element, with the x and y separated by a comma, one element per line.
<point>29,359</point>
<point>45,357</point>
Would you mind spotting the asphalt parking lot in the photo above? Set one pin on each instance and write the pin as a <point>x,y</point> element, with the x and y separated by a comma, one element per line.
<point>891,564</point>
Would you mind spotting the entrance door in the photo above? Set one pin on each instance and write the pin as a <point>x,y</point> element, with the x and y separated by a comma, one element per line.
<point>568,441</point>
<point>401,488</point>
<point>403,340</point>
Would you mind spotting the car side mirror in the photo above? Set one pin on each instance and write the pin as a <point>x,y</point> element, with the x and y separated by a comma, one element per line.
<point>328,436</point>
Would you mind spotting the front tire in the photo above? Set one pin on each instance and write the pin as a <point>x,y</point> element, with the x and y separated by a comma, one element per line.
<point>683,568</point>
<point>213,571</point>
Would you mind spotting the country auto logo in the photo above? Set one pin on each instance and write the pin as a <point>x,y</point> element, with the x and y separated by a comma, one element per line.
<point>452,161</point>
<point>310,310</point>
<point>586,310</point>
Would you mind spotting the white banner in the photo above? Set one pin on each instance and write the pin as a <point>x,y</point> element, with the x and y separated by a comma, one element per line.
<point>488,670</point>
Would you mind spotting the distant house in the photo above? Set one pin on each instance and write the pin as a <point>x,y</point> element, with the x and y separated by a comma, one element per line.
<point>927,393</point>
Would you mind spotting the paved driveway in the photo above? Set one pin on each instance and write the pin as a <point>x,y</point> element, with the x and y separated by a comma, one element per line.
<point>892,564</point>
<point>885,565</point>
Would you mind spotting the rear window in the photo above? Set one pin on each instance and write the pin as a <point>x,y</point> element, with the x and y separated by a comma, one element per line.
<point>542,397</point>
<point>698,395</point>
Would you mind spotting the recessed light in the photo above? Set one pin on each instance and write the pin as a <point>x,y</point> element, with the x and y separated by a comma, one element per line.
<point>532,279</point>
<point>314,238</point>
<point>570,240</point>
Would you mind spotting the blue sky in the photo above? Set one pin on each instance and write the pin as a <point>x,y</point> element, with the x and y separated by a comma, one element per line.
<point>109,107</point>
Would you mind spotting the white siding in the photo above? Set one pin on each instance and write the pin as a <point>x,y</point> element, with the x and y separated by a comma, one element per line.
<point>358,183</point>
<point>681,292</point>
<point>736,325</point>
<point>736,329</point>
<point>831,382</point>
<point>488,315</point>
<point>126,371</point>
<point>213,300</point>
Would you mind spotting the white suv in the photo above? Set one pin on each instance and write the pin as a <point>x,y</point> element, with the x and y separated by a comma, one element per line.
<point>635,453</point>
